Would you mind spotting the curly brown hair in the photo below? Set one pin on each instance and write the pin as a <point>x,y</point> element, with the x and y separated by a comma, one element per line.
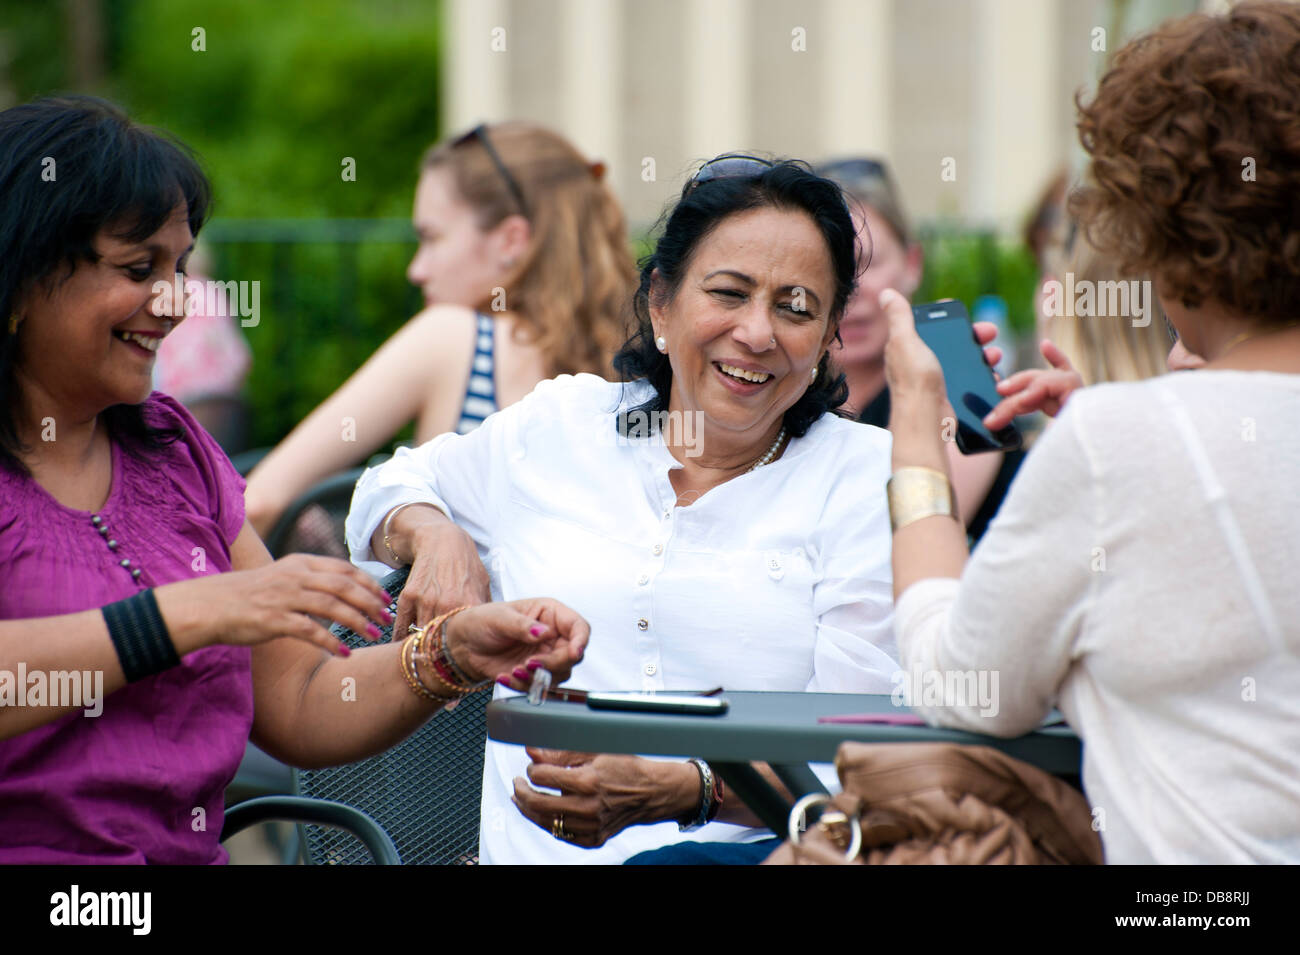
<point>1179,123</point>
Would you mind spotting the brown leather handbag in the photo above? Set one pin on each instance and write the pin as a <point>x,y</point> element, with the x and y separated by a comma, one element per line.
<point>942,804</point>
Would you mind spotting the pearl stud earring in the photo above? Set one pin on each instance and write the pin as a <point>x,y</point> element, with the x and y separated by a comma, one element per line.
<point>662,344</point>
<point>814,374</point>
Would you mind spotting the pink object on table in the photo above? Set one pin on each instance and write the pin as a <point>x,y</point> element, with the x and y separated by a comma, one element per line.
<point>886,719</point>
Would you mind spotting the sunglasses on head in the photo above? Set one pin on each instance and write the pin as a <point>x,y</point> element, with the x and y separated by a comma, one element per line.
<point>731,167</point>
<point>479,133</point>
<point>854,169</point>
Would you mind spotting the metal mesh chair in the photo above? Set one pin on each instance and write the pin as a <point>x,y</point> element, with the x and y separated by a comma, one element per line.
<point>313,524</point>
<point>357,824</point>
<point>425,791</point>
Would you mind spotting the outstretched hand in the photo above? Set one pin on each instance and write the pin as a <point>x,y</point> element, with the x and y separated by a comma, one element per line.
<point>508,640</point>
<point>1036,389</point>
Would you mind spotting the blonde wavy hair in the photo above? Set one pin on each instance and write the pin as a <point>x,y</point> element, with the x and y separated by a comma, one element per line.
<point>573,286</point>
<point>1109,348</point>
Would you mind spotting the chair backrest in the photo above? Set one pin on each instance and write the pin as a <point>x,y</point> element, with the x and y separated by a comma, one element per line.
<point>313,524</point>
<point>225,417</point>
<point>425,791</point>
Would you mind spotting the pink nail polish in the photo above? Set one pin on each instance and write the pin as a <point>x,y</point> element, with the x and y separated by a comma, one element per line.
<point>521,673</point>
<point>537,629</point>
<point>344,651</point>
<point>388,597</point>
<point>386,616</point>
<point>532,665</point>
<point>503,680</point>
<point>373,631</point>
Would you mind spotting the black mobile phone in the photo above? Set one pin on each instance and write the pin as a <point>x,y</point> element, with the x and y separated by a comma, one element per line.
<point>658,703</point>
<point>972,390</point>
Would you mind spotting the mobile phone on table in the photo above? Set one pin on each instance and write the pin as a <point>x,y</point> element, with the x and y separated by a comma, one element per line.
<point>658,703</point>
<point>972,390</point>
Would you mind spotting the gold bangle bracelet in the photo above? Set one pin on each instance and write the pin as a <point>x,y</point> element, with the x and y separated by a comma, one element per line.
<point>417,649</point>
<point>916,493</point>
<point>388,527</point>
<point>412,680</point>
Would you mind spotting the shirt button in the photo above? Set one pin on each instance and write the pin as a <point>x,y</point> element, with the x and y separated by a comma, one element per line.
<point>657,549</point>
<point>651,669</point>
<point>643,579</point>
<point>643,624</point>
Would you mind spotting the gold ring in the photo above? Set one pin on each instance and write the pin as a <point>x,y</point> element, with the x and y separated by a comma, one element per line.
<point>557,828</point>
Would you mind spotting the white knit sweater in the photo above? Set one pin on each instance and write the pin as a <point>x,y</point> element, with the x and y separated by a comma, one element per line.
<point>1142,575</point>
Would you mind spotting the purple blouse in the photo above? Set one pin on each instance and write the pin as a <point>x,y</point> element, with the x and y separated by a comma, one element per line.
<point>125,786</point>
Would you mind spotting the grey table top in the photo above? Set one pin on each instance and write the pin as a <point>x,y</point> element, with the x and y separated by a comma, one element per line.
<point>771,727</point>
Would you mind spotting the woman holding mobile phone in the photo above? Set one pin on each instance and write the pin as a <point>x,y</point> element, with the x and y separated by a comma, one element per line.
<point>1133,578</point>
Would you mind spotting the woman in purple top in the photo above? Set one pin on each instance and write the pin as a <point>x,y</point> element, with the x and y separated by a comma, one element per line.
<point>145,633</point>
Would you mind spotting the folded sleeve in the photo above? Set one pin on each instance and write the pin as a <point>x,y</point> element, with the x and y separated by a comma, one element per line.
<point>1012,623</point>
<point>465,476</point>
<point>853,598</point>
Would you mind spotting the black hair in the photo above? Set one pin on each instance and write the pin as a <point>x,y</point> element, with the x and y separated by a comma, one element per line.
<point>69,167</point>
<point>787,184</point>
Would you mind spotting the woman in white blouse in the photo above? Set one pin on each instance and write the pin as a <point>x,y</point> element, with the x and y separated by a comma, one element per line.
<point>1141,573</point>
<point>710,518</point>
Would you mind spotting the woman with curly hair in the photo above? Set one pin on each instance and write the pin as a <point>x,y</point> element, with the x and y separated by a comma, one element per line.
<point>1137,576</point>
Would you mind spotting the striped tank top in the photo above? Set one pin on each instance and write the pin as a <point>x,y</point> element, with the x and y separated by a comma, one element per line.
<point>480,393</point>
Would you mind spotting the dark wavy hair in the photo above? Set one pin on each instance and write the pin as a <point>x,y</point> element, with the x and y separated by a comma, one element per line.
<point>110,173</point>
<point>788,185</point>
<point>1176,123</point>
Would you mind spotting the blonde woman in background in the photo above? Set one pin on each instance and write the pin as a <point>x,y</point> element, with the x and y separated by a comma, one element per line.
<point>1089,349</point>
<point>525,269</point>
<point>1108,347</point>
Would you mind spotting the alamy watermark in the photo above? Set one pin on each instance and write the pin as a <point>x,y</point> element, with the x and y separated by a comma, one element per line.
<point>182,296</point>
<point>684,429</point>
<point>130,909</point>
<point>1084,298</point>
<point>967,689</point>
<point>58,688</point>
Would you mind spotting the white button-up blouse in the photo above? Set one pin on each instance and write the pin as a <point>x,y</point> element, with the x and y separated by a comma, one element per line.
<point>778,579</point>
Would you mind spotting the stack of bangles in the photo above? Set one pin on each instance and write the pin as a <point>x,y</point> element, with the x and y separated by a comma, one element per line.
<point>446,680</point>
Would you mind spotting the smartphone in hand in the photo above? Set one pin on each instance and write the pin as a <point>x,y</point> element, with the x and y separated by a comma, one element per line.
<point>972,390</point>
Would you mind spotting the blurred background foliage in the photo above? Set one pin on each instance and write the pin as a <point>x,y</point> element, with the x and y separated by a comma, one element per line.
<point>280,95</point>
<point>272,111</point>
